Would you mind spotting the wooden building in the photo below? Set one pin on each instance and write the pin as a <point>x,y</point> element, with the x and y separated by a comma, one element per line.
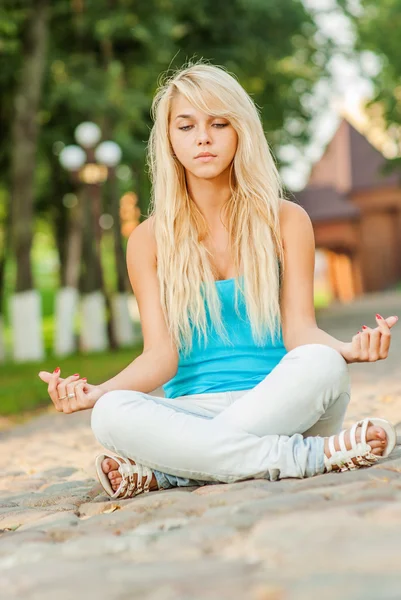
<point>355,209</point>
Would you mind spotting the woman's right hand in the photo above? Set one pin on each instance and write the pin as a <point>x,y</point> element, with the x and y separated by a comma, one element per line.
<point>85,394</point>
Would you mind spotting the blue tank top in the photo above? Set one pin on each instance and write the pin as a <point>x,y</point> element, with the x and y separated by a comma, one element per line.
<point>218,366</point>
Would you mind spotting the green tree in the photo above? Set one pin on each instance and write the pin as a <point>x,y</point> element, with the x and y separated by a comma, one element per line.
<point>377,27</point>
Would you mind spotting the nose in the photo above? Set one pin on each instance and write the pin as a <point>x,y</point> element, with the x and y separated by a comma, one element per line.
<point>203,137</point>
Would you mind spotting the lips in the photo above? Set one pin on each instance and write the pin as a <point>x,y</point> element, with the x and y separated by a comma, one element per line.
<point>205,155</point>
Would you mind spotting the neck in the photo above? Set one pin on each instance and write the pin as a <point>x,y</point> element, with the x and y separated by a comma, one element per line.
<point>210,195</point>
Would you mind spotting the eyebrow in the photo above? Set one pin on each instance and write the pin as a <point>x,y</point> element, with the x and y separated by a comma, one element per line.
<point>192,117</point>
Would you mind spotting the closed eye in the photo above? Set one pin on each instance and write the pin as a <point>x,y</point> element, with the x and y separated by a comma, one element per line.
<point>218,125</point>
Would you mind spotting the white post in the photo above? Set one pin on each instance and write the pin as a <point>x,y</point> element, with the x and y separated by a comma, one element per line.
<point>93,336</point>
<point>66,307</point>
<point>26,326</point>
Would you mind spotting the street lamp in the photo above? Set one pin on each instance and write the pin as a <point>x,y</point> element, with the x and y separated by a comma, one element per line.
<point>108,153</point>
<point>93,162</point>
<point>85,163</point>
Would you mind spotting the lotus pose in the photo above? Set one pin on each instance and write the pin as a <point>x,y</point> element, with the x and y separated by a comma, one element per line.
<point>222,270</point>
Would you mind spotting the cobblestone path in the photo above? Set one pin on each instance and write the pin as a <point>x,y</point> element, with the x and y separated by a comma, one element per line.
<point>332,536</point>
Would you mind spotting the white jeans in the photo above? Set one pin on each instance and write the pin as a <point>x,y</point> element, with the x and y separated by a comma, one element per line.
<point>271,431</point>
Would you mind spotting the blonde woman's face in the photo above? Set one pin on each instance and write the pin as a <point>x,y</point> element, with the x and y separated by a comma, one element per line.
<point>193,132</point>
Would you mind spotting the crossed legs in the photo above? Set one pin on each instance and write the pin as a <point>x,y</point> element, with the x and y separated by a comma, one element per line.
<point>270,431</point>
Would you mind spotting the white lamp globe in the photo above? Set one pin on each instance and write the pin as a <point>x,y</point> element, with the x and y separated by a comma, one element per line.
<point>108,153</point>
<point>72,157</point>
<point>88,134</point>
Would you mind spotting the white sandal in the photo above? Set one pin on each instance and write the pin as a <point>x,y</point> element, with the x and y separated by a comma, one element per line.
<point>127,488</point>
<point>361,452</point>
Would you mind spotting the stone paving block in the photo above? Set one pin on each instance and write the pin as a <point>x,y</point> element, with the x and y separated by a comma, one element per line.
<point>21,484</point>
<point>10,541</point>
<point>347,586</point>
<point>209,538</point>
<point>55,520</point>
<point>109,576</point>
<point>102,545</point>
<point>21,516</point>
<point>160,525</point>
<point>390,512</point>
<point>272,505</point>
<point>116,521</point>
<point>309,545</point>
<point>28,553</point>
<point>5,505</point>
<point>70,487</point>
<point>61,472</point>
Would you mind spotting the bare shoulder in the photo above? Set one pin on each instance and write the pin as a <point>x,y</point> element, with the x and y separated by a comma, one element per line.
<point>293,220</point>
<point>143,238</point>
<point>290,212</point>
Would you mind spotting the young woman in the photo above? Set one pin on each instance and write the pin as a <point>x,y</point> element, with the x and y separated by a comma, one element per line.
<point>223,274</point>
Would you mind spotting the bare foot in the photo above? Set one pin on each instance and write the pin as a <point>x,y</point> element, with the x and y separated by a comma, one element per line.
<point>375,436</point>
<point>110,468</point>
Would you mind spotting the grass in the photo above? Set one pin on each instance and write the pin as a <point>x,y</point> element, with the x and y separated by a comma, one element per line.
<point>23,391</point>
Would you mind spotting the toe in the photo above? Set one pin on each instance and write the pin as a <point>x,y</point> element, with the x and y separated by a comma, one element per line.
<point>109,465</point>
<point>376,444</point>
<point>375,433</point>
<point>106,465</point>
<point>115,483</point>
<point>377,447</point>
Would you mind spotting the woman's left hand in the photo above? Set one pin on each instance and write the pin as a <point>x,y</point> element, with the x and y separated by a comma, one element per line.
<point>370,345</point>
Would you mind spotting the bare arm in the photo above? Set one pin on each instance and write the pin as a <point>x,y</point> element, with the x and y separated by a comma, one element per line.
<point>146,373</point>
<point>297,303</point>
<point>159,360</point>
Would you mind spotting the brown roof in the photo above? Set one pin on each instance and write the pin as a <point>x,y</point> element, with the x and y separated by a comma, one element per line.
<point>324,203</point>
<point>367,164</point>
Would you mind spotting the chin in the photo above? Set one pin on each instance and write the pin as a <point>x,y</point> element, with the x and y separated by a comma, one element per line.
<point>207,172</point>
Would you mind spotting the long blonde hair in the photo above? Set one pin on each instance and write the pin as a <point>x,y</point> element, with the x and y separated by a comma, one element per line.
<point>183,266</point>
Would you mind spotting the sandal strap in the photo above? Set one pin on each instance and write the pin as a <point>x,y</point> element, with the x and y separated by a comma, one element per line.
<point>365,424</point>
<point>341,440</point>
<point>130,488</point>
<point>361,452</point>
<point>331,444</point>
<point>353,434</point>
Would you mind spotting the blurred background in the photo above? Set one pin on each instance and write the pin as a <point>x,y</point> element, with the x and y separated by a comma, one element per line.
<point>77,79</point>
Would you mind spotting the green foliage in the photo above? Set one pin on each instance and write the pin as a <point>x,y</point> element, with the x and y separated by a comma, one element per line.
<point>377,27</point>
<point>22,390</point>
<point>105,58</point>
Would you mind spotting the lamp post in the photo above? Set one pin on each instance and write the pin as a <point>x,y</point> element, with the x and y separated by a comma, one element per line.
<point>80,161</point>
<point>92,163</point>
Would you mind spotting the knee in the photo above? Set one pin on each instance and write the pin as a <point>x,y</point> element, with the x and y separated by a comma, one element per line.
<point>326,365</point>
<point>103,413</point>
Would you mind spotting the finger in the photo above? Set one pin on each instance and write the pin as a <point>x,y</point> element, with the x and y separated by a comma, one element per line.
<point>391,321</point>
<point>382,323</point>
<point>81,395</point>
<point>364,345</point>
<point>52,388</point>
<point>71,389</point>
<point>62,387</point>
<point>374,344</point>
<point>385,338</point>
<point>46,376</point>
<point>356,346</point>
